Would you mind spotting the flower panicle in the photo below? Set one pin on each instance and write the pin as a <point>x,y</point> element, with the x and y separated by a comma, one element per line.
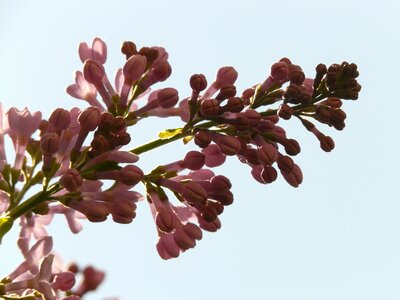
<point>79,157</point>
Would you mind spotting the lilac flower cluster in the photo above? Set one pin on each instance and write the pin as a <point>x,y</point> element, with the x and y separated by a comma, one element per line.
<point>73,153</point>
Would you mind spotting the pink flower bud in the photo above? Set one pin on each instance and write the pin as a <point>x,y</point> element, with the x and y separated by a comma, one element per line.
<point>229,145</point>
<point>167,97</point>
<point>130,175</point>
<point>63,281</point>
<point>183,240</point>
<point>267,154</point>
<point>280,71</point>
<point>194,193</point>
<point>253,117</point>
<point>247,94</point>
<point>251,156</point>
<point>209,213</point>
<point>292,147</point>
<point>296,74</point>
<point>193,231</point>
<point>210,226</point>
<point>214,156</point>
<point>224,198</point>
<point>167,247</point>
<point>295,177</point>
<point>92,278</point>
<point>100,144</point>
<point>161,71</point>
<point>326,142</point>
<point>285,164</point>
<point>90,118</point>
<point>129,49</point>
<point>60,119</point>
<point>134,68</point>
<point>96,212</point>
<point>269,174</point>
<point>49,143</point>
<point>226,76</point>
<point>194,160</point>
<point>164,221</point>
<point>123,211</point>
<point>202,139</point>
<point>285,111</point>
<point>235,105</point>
<point>220,184</point>
<point>198,82</point>
<point>209,107</point>
<point>93,72</point>
<point>71,180</point>
<point>227,91</point>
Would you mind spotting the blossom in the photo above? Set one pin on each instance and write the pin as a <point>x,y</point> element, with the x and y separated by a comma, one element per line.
<point>97,52</point>
<point>22,124</point>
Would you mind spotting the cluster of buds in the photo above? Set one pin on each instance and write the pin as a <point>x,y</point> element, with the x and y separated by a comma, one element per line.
<point>86,174</point>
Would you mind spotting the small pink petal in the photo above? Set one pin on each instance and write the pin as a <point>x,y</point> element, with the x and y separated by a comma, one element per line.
<point>84,52</point>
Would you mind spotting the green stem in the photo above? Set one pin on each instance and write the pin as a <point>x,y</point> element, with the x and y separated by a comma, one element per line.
<point>32,202</point>
<point>157,143</point>
<point>161,142</point>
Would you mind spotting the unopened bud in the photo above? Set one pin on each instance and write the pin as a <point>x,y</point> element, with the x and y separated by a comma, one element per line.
<point>90,118</point>
<point>150,53</point>
<point>49,143</point>
<point>134,68</point>
<point>93,72</point>
<point>253,117</point>
<point>235,105</point>
<point>123,211</point>
<point>194,160</point>
<point>267,154</point>
<point>129,49</point>
<point>198,82</point>
<point>220,184</point>
<point>209,107</point>
<point>323,114</point>
<point>226,92</point>
<point>226,76</point>
<point>202,139</point>
<point>162,71</point>
<point>183,240</point>
<point>280,71</point>
<point>296,75</point>
<point>164,221</point>
<point>228,145</point>
<point>295,177</point>
<point>327,144</point>
<point>285,163</point>
<point>63,281</point>
<point>71,180</point>
<point>130,175</point>
<point>292,147</point>
<point>224,198</point>
<point>60,119</point>
<point>194,192</point>
<point>285,111</point>
<point>168,97</point>
<point>269,174</point>
<point>96,212</point>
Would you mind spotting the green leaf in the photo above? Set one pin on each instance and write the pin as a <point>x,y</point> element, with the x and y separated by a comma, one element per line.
<point>5,225</point>
<point>169,133</point>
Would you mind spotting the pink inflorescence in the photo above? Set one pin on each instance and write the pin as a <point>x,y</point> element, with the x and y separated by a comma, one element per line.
<point>86,172</point>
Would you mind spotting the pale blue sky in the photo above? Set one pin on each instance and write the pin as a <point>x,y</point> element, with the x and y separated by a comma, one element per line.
<point>335,237</point>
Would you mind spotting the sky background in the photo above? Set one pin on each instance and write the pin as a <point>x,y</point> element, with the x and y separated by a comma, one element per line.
<point>335,237</point>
